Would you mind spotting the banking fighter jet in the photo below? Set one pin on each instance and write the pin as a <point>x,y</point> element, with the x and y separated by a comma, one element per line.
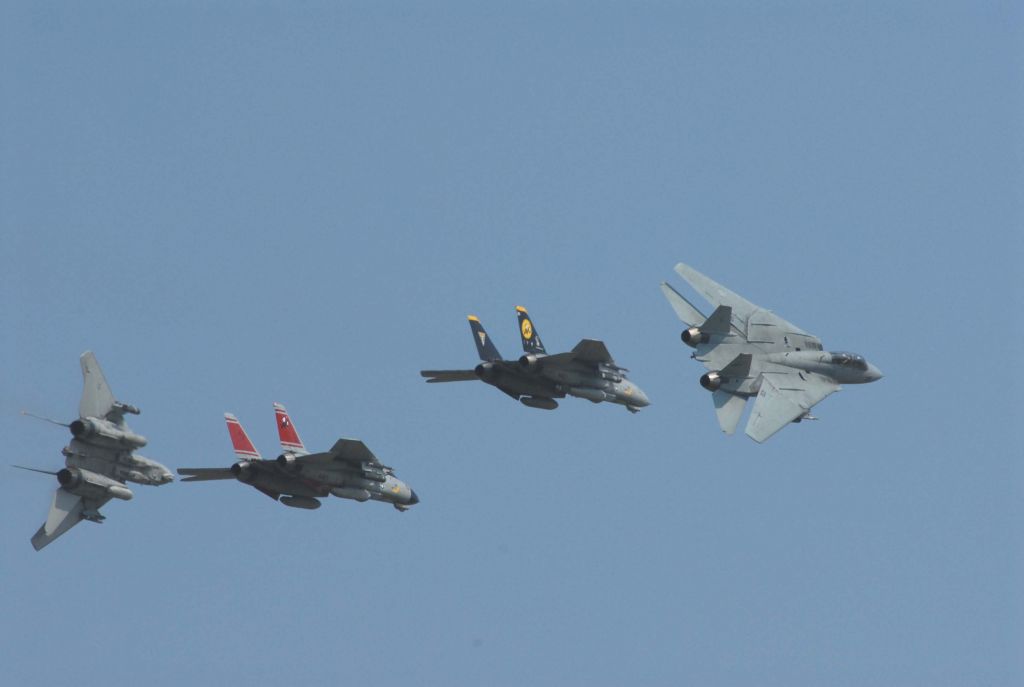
<point>99,460</point>
<point>536,379</point>
<point>299,479</point>
<point>751,352</point>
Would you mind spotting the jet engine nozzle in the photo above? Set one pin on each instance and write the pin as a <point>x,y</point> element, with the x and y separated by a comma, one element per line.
<point>486,371</point>
<point>694,336</point>
<point>81,428</point>
<point>287,461</point>
<point>711,381</point>
<point>243,471</point>
<point>531,362</point>
<point>69,477</point>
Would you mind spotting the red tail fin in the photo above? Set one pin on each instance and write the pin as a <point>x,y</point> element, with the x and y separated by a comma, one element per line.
<point>240,441</point>
<point>290,440</point>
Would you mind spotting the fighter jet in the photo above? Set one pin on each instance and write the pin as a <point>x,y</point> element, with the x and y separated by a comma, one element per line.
<point>99,459</point>
<point>751,352</point>
<point>536,379</point>
<point>298,478</point>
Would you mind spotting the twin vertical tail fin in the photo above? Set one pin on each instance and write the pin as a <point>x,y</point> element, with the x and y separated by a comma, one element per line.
<point>240,441</point>
<point>290,441</point>
<point>528,333</point>
<point>484,346</point>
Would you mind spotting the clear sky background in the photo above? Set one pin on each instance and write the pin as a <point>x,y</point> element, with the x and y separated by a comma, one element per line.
<point>240,203</point>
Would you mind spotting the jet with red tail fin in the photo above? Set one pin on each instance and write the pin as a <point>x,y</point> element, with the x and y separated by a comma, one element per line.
<point>299,479</point>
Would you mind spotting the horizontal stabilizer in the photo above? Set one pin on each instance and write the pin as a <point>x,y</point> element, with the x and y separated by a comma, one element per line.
<point>205,474</point>
<point>436,376</point>
<point>685,310</point>
<point>729,409</point>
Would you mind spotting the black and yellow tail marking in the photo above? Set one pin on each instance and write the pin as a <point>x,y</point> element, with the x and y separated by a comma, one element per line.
<point>484,346</point>
<point>528,333</point>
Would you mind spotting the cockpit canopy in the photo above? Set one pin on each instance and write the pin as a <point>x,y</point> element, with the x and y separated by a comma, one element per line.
<point>851,360</point>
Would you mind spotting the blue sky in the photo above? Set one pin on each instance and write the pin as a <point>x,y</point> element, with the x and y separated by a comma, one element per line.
<point>239,203</point>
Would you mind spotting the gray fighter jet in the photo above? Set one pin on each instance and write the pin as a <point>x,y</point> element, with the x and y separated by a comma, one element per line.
<point>299,478</point>
<point>537,379</point>
<point>99,459</point>
<point>750,351</point>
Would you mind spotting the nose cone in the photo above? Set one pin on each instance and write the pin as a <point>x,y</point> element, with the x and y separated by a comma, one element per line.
<point>874,374</point>
<point>639,398</point>
<point>413,497</point>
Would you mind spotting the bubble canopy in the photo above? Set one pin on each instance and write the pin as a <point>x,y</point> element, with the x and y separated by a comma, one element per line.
<point>851,360</point>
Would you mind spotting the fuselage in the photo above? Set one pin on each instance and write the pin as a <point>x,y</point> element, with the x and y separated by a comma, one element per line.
<point>603,383</point>
<point>319,481</point>
<point>842,367</point>
<point>103,447</point>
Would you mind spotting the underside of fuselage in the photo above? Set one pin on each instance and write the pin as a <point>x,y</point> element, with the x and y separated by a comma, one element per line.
<point>516,383</point>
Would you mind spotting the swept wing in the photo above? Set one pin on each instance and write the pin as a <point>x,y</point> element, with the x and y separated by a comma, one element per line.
<point>586,351</point>
<point>785,395</point>
<point>761,328</point>
<point>344,451</point>
<point>66,511</point>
